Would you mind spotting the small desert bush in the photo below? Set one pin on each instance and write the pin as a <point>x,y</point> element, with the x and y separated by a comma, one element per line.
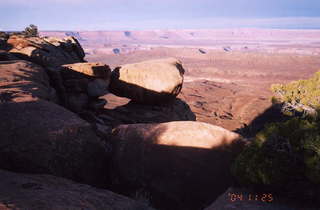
<point>31,31</point>
<point>301,96</point>
<point>285,156</point>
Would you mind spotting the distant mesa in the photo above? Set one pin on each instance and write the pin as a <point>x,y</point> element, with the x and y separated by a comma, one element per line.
<point>75,34</point>
<point>227,49</point>
<point>71,33</point>
<point>127,33</point>
<point>116,51</point>
<point>164,37</point>
<point>202,51</point>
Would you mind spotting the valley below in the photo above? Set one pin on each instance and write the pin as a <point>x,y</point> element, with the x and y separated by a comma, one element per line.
<point>228,71</point>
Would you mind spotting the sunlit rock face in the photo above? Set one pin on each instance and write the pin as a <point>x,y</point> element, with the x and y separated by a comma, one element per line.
<point>182,133</point>
<point>148,82</point>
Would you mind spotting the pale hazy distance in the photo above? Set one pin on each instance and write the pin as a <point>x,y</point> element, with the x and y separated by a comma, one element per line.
<point>156,14</point>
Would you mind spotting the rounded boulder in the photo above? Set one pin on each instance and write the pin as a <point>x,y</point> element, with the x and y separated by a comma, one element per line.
<point>148,82</point>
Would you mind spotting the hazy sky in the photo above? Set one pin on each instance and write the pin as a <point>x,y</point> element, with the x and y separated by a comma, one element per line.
<point>158,14</point>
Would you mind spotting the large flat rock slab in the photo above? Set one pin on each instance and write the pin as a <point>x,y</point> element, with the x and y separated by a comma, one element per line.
<point>38,192</point>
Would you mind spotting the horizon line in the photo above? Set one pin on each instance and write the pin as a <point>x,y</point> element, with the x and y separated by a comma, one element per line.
<point>176,29</point>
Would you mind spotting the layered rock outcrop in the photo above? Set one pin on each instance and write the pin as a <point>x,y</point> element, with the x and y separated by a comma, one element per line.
<point>47,51</point>
<point>81,85</point>
<point>174,165</point>
<point>149,82</point>
<point>38,136</point>
<point>183,164</point>
<point>38,192</point>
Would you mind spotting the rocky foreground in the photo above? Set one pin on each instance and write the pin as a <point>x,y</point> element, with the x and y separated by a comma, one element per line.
<point>58,128</point>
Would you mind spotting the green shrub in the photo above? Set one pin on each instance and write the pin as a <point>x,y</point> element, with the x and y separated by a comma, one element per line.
<point>280,153</point>
<point>286,153</point>
<point>299,96</point>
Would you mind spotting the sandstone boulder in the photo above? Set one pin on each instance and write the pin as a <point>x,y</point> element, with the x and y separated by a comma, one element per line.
<point>48,52</point>
<point>149,82</point>
<point>184,165</point>
<point>83,84</point>
<point>38,192</point>
<point>38,136</point>
<point>97,70</point>
<point>182,134</point>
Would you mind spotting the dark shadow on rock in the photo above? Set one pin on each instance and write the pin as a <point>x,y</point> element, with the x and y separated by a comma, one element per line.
<point>270,115</point>
<point>38,136</point>
<point>49,55</point>
<point>38,192</point>
<point>42,137</point>
<point>21,78</point>
<point>3,41</point>
<point>37,56</point>
<point>170,177</point>
<point>4,54</point>
<point>130,113</point>
<point>164,109</point>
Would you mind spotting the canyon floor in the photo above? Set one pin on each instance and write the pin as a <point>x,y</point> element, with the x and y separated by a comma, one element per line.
<point>228,71</point>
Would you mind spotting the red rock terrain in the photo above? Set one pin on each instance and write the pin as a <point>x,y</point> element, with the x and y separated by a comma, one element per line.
<point>233,89</point>
<point>58,119</point>
<point>228,71</point>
